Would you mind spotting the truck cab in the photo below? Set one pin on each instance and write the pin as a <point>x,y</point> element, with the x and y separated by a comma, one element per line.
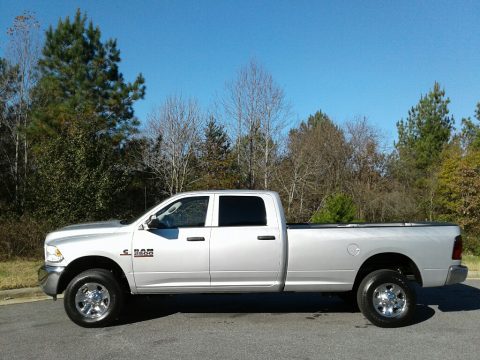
<point>211,241</point>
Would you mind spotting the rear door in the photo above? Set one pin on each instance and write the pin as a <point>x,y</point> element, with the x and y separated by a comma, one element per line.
<point>245,243</point>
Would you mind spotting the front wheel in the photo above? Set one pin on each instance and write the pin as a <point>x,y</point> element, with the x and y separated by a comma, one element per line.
<point>93,298</point>
<point>386,299</point>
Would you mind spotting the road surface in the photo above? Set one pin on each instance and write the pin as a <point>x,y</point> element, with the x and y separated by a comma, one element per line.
<point>248,326</point>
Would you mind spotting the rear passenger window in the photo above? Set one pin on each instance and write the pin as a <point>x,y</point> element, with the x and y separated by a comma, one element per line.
<point>242,211</point>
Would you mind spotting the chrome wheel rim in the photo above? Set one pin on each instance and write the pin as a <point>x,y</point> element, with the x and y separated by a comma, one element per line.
<point>92,300</point>
<point>389,300</point>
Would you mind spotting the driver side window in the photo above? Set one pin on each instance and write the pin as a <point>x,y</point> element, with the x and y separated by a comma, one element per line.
<point>186,212</point>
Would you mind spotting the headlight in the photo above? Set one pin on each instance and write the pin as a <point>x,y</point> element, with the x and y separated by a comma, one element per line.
<point>53,254</point>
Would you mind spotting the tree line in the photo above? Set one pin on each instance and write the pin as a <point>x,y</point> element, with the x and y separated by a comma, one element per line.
<point>72,150</point>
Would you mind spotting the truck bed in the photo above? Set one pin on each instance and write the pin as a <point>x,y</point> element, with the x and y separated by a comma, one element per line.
<point>327,257</point>
<point>364,225</point>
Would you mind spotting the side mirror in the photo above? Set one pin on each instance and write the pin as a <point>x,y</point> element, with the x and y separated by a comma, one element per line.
<point>153,223</point>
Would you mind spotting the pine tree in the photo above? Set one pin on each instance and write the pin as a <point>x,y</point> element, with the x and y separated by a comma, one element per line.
<point>470,134</point>
<point>421,140</point>
<point>317,119</point>
<point>427,129</point>
<point>338,208</point>
<point>82,119</point>
<point>216,160</point>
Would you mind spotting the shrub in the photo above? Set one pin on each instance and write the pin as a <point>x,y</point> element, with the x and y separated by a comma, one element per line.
<point>471,244</point>
<point>22,237</point>
<point>338,208</point>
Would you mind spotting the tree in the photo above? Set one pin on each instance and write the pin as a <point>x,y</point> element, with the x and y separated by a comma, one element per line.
<point>217,163</point>
<point>458,195</point>
<point>257,106</point>
<point>22,57</point>
<point>173,131</point>
<point>458,188</point>
<point>421,139</point>
<point>313,167</point>
<point>82,120</point>
<point>8,134</point>
<point>367,167</point>
<point>470,133</point>
<point>427,129</point>
<point>338,208</point>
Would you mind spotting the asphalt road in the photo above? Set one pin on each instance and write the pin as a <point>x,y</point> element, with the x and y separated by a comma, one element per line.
<point>266,326</point>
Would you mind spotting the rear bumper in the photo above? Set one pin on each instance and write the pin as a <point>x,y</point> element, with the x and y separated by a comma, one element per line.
<point>456,274</point>
<point>48,278</point>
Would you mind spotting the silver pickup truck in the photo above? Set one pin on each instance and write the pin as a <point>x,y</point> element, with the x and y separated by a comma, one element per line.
<point>239,241</point>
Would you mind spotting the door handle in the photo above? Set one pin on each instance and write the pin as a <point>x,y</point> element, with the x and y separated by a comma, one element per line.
<point>266,237</point>
<point>194,238</point>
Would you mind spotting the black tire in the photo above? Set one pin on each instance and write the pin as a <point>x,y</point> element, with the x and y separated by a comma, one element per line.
<point>105,295</point>
<point>376,287</point>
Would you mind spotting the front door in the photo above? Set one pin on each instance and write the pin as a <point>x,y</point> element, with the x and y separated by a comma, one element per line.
<point>176,254</point>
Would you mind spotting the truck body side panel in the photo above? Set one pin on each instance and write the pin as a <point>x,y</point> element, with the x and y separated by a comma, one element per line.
<point>328,259</point>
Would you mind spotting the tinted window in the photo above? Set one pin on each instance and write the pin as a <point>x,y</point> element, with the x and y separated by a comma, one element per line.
<point>242,211</point>
<point>187,212</point>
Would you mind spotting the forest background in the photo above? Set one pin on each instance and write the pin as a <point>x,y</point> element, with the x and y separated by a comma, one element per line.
<point>72,149</point>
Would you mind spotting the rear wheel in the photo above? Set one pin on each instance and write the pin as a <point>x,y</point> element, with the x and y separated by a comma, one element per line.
<point>386,299</point>
<point>93,298</point>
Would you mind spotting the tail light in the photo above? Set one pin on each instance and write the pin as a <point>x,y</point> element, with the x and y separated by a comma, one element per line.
<point>457,248</point>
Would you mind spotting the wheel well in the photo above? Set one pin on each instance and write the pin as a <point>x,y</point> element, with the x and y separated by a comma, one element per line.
<point>92,262</point>
<point>393,261</point>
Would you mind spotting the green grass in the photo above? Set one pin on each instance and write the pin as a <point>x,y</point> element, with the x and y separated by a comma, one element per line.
<point>473,263</point>
<point>15,274</point>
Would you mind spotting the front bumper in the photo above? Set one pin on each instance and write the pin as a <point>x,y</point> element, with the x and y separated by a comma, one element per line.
<point>456,274</point>
<point>48,278</point>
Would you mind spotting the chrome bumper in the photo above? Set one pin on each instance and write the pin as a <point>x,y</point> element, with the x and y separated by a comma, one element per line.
<point>48,278</point>
<point>456,274</point>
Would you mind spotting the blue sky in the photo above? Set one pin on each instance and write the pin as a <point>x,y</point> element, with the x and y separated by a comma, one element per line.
<point>347,58</point>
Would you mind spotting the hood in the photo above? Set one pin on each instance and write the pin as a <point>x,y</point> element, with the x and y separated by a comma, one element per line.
<point>87,229</point>
<point>93,225</point>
